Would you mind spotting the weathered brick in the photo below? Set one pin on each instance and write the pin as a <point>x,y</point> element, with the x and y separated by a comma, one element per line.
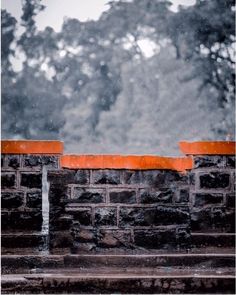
<point>37,161</point>
<point>191,178</point>
<point>84,235</point>
<point>154,178</point>
<point>183,236</point>
<point>209,161</point>
<point>123,196</point>
<point>58,194</point>
<point>13,161</point>
<point>86,195</point>
<point>105,216</point>
<point>106,177</point>
<point>34,199</point>
<point>160,215</point>
<point>2,161</point>
<point>155,239</point>
<point>223,218</point>
<point>4,220</point>
<point>202,199</point>
<point>12,199</point>
<point>213,180</point>
<point>68,176</point>
<point>82,177</point>
<point>82,215</point>
<point>114,238</point>
<point>8,180</point>
<point>31,180</point>
<point>64,222</point>
<point>31,220</point>
<point>182,196</point>
<point>61,239</point>
<point>230,161</point>
<point>149,196</point>
<point>212,219</point>
<point>230,200</point>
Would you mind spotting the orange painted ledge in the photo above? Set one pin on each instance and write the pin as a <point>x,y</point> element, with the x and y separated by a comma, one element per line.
<point>125,162</point>
<point>208,147</point>
<point>31,147</point>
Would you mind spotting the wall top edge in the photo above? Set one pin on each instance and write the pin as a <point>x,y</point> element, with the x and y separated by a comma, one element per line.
<point>132,162</point>
<point>208,147</point>
<point>31,147</point>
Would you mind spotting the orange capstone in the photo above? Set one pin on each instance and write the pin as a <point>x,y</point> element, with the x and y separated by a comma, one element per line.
<point>31,147</point>
<point>208,147</point>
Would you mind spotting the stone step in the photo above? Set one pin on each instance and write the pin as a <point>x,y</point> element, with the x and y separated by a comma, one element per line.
<point>11,242</point>
<point>36,242</point>
<point>174,282</point>
<point>28,263</point>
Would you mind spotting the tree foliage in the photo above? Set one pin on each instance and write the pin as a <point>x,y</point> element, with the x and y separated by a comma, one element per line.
<point>80,84</point>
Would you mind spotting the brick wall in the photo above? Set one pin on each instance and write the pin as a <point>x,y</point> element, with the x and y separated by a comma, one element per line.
<point>118,208</point>
<point>124,203</point>
<point>21,187</point>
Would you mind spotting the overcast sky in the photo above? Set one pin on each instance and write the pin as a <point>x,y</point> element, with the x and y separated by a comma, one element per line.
<point>56,10</point>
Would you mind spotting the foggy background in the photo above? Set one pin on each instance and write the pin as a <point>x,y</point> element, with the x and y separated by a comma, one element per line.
<point>131,77</point>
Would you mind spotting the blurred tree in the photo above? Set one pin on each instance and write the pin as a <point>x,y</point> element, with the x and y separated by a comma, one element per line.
<point>205,35</point>
<point>93,70</point>
<point>8,26</point>
<point>31,103</point>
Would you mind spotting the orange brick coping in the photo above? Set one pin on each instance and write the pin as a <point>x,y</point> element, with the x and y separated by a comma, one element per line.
<point>31,147</point>
<point>125,162</point>
<point>208,147</point>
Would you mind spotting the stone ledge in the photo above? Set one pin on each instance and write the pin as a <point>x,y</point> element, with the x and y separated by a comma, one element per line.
<point>131,162</point>
<point>31,147</point>
<point>208,147</point>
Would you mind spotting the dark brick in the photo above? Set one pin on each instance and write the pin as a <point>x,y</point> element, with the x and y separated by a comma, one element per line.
<point>84,235</point>
<point>114,239</point>
<point>209,219</point>
<point>230,200</point>
<point>105,216</point>
<point>123,196</point>
<point>13,161</point>
<point>68,176</point>
<point>191,178</point>
<point>183,236</point>
<point>202,199</point>
<point>183,196</point>
<point>64,222</point>
<point>155,239</point>
<point>25,220</point>
<point>154,178</point>
<point>12,199</point>
<point>82,177</point>
<point>82,215</point>
<point>31,180</point>
<point>160,215</point>
<point>209,161</point>
<point>19,240</point>
<point>34,199</point>
<point>4,220</point>
<point>84,195</point>
<point>201,219</point>
<point>214,180</point>
<point>156,196</point>
<point>230,161</point>
<point>58,194</point>
<point>223,219</point>
<point>2,161</point>
<point>106,177</point>
<point>8,180</point>
<point>60,239</point>
<point>34,161</point>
